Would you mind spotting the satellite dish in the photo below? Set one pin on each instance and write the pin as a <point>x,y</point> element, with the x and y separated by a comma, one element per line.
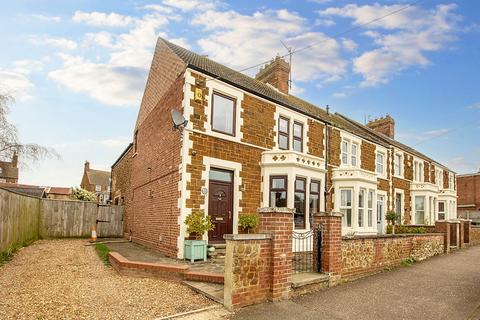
<point>178,119</point>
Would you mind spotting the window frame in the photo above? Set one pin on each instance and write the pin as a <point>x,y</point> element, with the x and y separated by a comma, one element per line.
<point>342,207</point>
<point>295,138</point>
<point>285,134</point>
<point>318,193</point>
<point>304,191</point>
<point>361,207</point>
<point>424,208</point>
<point>348,154</point>
<point>382,173</point>
<point>370,207</point>
<point>234,113</point>
<point>271,189</point>
<point>400,165</point>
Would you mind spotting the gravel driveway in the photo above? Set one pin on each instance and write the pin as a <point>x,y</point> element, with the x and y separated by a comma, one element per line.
<point>64,279</point>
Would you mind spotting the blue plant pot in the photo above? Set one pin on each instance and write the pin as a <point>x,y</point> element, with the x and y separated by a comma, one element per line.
<point>195,250</point>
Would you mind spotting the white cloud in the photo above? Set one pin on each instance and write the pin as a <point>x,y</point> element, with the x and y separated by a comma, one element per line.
<point>110,142</point>
<point>189,5</point>
<point>403,39</point>
<point>349,44</point>
<point>420,137</point>
<point>461,165</point>
<point>158,8</point>
<point>27,66</point>
<point>58,42</point>
<point>244,40</point>
<point>100,19</point>
<point>474,106</point>
<point>109,84</point>
<point>15,84</point>
<point>324,22</point>
<point>46,18</point>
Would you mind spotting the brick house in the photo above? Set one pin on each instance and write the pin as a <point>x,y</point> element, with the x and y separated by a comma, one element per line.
<point>468,189</point>
<point>96,181</point>
<point>249,143</point>
<point>9,170</point>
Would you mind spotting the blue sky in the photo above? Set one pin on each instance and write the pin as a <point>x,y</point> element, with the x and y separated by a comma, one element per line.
<point>77,68</point>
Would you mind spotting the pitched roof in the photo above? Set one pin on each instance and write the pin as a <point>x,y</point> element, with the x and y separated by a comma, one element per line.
<point>29,190</point>
<point>59,190</point>
<point>98,177</point>
<point>127,149</point>
<point>249,84</point>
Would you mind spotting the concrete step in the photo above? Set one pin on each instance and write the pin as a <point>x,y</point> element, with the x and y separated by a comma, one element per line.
<point>210,290</point>
<point>308,278</point>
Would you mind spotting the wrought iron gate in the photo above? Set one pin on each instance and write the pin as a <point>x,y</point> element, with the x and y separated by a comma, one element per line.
<point>307,250</point>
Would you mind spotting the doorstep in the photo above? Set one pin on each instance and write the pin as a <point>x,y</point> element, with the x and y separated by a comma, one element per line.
<point>212,291</point>
<point>308,282</point>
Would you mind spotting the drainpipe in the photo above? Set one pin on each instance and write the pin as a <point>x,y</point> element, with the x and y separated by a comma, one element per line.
<point>326,163</point>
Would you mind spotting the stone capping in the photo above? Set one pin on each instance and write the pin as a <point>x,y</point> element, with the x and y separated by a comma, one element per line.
<point>276,210</point>
<point>327,214</point>
<point>391,236</point>
<point>242,237</point>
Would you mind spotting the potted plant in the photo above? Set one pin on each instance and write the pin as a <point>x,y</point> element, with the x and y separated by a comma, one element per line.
<point>248,221</point>
<point>197,224</point>
<point>392,217</point>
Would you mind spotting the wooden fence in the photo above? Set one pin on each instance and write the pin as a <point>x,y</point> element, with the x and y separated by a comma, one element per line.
<point>24,218</point>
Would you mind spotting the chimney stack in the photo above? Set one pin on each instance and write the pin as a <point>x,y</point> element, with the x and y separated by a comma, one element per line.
<point>15,160</point>
<point>385,125</point>
<point>275,73</point>
<point>87,165</point>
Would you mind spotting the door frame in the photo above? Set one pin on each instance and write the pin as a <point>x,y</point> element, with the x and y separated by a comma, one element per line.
<point>232,190</point>
<point>236,167</point>
<point>385,199</point>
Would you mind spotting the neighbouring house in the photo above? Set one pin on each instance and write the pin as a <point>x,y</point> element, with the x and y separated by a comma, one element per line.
<point>249,143</point>
<point>9,170</point>
<point>121,176</point>
<point>468,189</point>
<point>96,181</point>
<point>29,190</point>
<point>59,193</point>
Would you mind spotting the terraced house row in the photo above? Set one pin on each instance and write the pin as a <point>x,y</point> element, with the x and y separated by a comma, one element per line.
<point>248,143</point>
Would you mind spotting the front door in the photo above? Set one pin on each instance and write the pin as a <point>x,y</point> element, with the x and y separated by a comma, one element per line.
<point>380,214</point>
<point>220,204</point>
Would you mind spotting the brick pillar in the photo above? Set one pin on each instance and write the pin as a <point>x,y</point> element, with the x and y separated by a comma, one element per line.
<point>461,240</point>
<point>466,228</point>
<point>278,223</point>
<point>444,227</point>
<point>332,242</point>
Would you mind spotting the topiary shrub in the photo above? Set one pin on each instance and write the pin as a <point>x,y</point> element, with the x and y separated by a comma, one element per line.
<point>248,221</point>
<point>198,223</point>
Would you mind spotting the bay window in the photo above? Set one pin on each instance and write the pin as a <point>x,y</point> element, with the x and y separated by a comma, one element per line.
<point>299,203</point>
<point>370,208</point>
<point>419,210</point>
<point>278,191</point>
<point>223,114</point>
<point>361,207</point>
<point>346,207</point>
<point>441,210</point>
<point>314,198</point>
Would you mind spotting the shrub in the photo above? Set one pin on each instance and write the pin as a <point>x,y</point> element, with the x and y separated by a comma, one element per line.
<point>405,229</point>
<point>197,224</point>
<point>248,221</point>
<point>392,217</point>
<point>83,195</point>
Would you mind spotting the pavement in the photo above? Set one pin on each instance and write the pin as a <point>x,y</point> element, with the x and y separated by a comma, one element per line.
<point>443,287</point>
<point>136,252</point>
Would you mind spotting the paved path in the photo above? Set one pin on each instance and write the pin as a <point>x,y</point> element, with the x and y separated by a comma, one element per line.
<point>444,287</point>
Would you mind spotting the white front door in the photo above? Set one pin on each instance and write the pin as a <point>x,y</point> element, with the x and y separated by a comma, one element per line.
<point>380,214</point>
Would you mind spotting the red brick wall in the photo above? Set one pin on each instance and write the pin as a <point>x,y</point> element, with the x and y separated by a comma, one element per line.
<point>334,143</point>
<point>368,156</point>
<point>121,186</point>
<point>468,191</point>
<point>258,122</point>
<point>153,216</point>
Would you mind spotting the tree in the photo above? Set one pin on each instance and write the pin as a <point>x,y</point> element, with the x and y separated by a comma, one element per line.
<point>83,195</point>
<point>9,142</point>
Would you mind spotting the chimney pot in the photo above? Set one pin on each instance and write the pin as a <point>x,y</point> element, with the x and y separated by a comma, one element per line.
<point>15,160</point>
<point>87,165</point>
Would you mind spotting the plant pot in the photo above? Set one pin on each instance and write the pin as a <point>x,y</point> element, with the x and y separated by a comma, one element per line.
<point>195,250</point>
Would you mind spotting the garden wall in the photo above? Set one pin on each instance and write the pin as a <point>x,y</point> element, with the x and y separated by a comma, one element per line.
<point>474,235</point>
<point>24,218</point>
<point>366,255</point>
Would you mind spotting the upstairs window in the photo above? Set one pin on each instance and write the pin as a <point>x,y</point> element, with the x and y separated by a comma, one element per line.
<point>283,133</point>
<point>278,191</point>
<point>439,178</point>
<point>418,173</point>
<point>380,163</point>
<point>450,182</point>
<point>298,136</point>
<point>223,114</point>
<point>398,165</point>
<point>349,153</point>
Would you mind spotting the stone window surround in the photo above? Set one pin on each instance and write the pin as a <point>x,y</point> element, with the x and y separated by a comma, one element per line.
<point>401,174</point>
<point>418,170</point>
<point>382,174</point>
<point>293,118</point>
<point>212,112</point>
<point>351,140</point>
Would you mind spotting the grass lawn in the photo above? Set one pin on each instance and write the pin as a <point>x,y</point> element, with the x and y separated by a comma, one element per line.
<point>102,251</point>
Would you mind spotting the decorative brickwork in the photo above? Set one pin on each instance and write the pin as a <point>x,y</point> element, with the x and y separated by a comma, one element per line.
<point>315,138</point>
<point>199,117</point>
<point>368,156</point>
<point>258,122</point>
<point>385,125</point>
